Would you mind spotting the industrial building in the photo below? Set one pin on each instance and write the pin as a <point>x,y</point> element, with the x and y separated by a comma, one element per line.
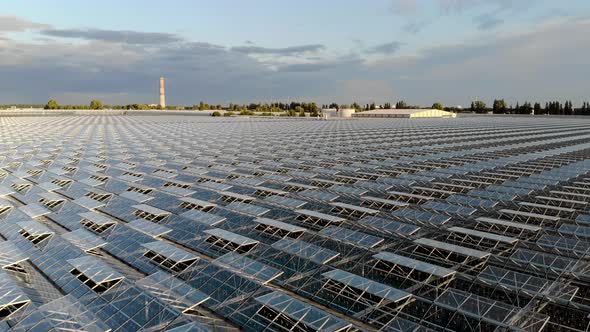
<point>405,113</point>
<point>338,113</point>
<point>188,223</point>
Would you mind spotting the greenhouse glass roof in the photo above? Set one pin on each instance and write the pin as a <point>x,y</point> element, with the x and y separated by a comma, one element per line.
<point>193,223</point>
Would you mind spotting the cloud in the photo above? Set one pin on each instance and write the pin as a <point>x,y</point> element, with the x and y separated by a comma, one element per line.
<point>304,67</point>
<point>387,48</point>
<point>404,7</point>
<point>10,23</point>
<point>544,61</point>
<point>320,64</point>
<point>418,14</point>
<point>456,6</point>
<point>364,90</point>
<point>292,50</point>
<point>114,36</point>
<point>541,63</point>
<point>35,72</point>
<point>487,21</point>
<point>450,7</point>
<point>415,26</point>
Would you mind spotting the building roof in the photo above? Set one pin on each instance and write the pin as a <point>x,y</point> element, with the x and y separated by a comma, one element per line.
<point>294,224</point>
<point>398,111</point>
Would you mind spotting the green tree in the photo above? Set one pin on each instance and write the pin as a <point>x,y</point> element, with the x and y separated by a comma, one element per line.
<point>313,109</point>
<point>401,105</point>
<point>499,106</point>
<point>51,105</point>
<point>300,110</point>
<point>526,108</point>
<point>537,108</point>
<point>478,106</point>
<point>569,108</point>
<point>138,107</point>
<point>96,105</point>
<point>438,106</point>
<point>387,106</point>
<point>262,108</point>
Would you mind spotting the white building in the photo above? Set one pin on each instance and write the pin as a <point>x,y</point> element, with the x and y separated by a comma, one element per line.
<point>405,113</point>
<point>338,113</point>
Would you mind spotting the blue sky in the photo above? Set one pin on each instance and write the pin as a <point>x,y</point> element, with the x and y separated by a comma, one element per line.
<point>219,51</point>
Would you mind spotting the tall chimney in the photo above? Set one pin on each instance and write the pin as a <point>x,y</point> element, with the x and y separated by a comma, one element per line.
<point>162,93</point>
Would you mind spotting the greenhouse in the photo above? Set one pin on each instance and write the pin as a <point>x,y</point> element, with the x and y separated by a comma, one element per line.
<point>190,223</point>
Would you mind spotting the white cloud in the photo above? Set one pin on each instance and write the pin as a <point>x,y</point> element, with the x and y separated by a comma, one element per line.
<point>11,23</point>
<point>544,61</point>
<point>417,7</point>
<point>114,36</point>
<point>386,48</point>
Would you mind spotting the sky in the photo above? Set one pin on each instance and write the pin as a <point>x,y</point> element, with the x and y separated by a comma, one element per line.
<point>419,51</point>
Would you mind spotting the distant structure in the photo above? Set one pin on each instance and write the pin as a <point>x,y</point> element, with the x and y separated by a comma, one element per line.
<point>162,93</point>
<point>405,113</point>
<point>337,113</point>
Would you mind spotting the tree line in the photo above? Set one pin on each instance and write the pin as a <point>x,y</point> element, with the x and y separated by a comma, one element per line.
<point>372,106</point>
<point>52,104</point>
<point>551,108</point>
<point>499,106</point>
<point>291,109</point>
